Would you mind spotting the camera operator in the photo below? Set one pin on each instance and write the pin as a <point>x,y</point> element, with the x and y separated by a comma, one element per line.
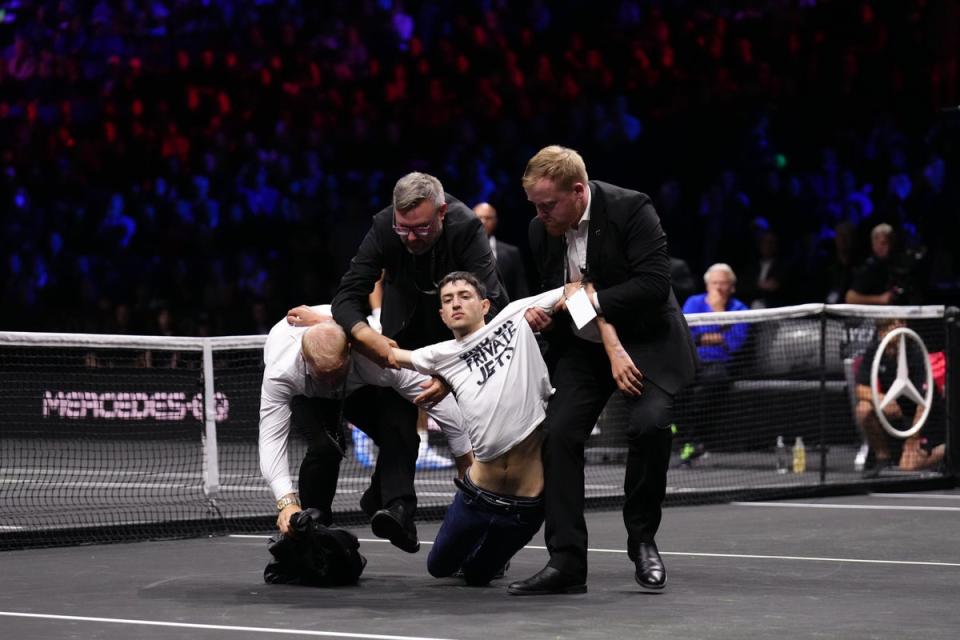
<point>886,277</point>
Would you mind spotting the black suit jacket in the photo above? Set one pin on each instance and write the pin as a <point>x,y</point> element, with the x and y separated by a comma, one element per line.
<point>512,271</point>
<point>409,315</point>
<point>628,263</point>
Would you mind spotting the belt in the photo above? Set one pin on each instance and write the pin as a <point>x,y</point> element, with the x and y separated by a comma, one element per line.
<point>497,501</point>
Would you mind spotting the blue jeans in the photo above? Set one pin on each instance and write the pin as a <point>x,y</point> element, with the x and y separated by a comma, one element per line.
<point>481,531</point>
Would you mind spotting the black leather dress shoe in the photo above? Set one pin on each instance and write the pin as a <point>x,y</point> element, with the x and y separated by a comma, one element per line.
<point>548,581</point>
<point>395,523</point>
<point>651,574</point>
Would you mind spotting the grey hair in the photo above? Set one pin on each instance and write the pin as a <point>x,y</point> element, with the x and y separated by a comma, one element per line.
<point>720,266</point>
<point>414,188</point>
<point>882,229</point>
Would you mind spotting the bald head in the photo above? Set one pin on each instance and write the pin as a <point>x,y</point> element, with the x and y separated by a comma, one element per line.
<point>326,352</point>
<point>488,217</point>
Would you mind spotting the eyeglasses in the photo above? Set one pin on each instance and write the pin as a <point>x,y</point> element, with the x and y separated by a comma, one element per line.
<point>421,230</point>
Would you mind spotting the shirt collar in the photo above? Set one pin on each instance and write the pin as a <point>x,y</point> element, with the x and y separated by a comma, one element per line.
<point>584,222</point>
<point>585,218</point>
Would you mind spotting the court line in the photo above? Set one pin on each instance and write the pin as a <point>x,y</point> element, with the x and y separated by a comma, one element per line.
<point>216,627</point>
<point>931,496</point>
<point>692,554</point>
<point>812,559</point>
<point>753,556</point>
<point>814,505</point>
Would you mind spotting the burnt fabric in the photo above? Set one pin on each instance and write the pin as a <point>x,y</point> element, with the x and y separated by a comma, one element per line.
<point>315,556</point>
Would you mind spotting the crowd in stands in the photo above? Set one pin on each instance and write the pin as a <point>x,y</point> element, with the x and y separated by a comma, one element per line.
<point>197,167</point>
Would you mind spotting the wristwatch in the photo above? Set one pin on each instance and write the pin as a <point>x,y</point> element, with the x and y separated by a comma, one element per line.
<point>286,501</point>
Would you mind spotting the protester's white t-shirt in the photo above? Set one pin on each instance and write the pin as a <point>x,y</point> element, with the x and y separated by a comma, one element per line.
<point>498,376</point>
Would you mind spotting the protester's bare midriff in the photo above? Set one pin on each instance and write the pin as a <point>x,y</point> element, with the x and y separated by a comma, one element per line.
<point>518,472</point>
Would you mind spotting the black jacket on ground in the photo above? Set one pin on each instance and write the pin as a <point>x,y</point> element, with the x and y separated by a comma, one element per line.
<point>315,555</point>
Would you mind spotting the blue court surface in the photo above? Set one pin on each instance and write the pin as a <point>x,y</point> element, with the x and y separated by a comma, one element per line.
<point>865,566</point>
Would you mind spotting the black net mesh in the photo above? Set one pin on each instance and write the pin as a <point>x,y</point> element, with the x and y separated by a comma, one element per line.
<point>781,410</point>
<point>100,443</point>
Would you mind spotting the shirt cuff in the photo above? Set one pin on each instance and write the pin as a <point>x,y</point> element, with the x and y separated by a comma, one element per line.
<point>281,487</point>
<point>595,300</point>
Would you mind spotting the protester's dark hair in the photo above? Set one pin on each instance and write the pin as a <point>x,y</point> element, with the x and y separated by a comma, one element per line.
<point>465,276</point>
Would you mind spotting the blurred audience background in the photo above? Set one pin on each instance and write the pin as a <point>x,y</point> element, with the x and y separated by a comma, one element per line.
<point>196,167</point>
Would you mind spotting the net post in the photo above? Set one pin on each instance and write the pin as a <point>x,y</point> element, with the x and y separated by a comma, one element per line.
<point>952,388</point>
<point>211,467</point>
<point>822,399</point>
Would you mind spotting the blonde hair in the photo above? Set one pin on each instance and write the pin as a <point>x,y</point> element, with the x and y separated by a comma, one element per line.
<point>324,346</point>
<point>562,165</point>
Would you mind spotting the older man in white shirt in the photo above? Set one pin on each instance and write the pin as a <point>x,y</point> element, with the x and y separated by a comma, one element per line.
<point>311,379</point>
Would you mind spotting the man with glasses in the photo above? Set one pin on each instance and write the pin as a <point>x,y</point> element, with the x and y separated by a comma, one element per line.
<point>423,235</point>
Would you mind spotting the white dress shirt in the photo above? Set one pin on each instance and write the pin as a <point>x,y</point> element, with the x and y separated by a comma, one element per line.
<point>576,264</point>
<point>285,376</point>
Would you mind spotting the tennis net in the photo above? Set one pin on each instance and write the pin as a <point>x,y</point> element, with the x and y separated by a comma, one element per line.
<point>106,438</point>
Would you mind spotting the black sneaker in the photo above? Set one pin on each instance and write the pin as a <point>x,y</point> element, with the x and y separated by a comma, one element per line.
<point>873,471</point>
<point>690,452</point>
<point>499,574</point>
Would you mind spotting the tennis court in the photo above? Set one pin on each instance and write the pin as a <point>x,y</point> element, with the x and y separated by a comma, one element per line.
<point>98,447</point>
<point>865,566</point>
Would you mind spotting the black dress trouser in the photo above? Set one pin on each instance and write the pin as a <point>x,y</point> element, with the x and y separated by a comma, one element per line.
<point>580,372</point>
<point>389,419</point>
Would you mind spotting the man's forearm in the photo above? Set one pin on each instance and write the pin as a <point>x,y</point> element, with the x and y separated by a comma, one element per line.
<point>608,335</point>
<point>358,329</point>
<point>404,358</point>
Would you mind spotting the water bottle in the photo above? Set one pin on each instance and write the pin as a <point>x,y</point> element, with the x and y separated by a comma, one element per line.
<point>799,456</point>
<point>781,455</point>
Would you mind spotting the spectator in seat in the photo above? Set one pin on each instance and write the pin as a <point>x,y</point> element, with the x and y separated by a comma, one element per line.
<point>918,452</point>
<point>716,344</point>
<point>873,282</point>
<point>837,272</point>
<point>768,279</point>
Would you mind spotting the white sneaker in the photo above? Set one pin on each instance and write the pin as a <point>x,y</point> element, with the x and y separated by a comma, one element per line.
<point>428,458</point>
<point>861,460</point>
